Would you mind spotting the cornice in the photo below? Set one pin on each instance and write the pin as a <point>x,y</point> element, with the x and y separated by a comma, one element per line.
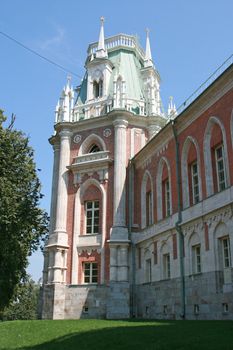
<point>102,121</point>
<point>204,101</point>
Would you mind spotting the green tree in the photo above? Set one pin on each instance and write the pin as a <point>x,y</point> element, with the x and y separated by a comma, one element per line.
<point>23,224</point>
<point>24,303</point>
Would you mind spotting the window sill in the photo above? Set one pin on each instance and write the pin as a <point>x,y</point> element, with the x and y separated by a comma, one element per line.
<point>90,235</point>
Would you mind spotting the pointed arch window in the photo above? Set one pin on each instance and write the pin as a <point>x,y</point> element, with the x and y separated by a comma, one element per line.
<point>94,148</point>
<point>194,182</point>
<point>220,168</point>
<point>164,189</point>
<point>147,215</point>
<point>216,157</point>
<point>98,88</point>
<point>191,173</point>
<point>149,208</point>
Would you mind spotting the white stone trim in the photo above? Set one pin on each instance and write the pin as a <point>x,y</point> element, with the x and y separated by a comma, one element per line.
<point>207,154</point>
<point>184,170</point>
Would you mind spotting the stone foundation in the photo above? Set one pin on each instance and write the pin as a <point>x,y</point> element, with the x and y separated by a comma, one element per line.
<point>207,297</point>
<point>118,303</point>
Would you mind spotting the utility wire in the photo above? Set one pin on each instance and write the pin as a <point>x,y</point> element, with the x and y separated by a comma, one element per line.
<point>39,55</point>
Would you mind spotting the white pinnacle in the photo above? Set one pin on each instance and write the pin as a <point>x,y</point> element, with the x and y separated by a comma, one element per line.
<point>148,50</point>
<point>101,52</point>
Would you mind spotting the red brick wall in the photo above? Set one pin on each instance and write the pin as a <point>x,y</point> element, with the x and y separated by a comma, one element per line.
<point>222,109</point>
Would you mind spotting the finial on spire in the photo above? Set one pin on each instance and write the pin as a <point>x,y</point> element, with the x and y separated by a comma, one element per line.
<point>172,113</point>
<point>101,51</point>
<point>148,56</point>
<point>68,79</point>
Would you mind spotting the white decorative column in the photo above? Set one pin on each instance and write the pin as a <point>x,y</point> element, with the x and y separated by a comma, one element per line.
<point>119,233</point>
<point>61,210</point>
<point>119,230</point>
<point>58,240</point>
<point>56,149</point>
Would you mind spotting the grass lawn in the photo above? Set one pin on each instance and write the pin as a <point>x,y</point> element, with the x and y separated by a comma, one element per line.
<point>111,335</point>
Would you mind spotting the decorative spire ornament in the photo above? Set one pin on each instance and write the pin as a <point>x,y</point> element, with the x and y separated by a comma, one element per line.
<point>101,52</point>
<point>172,113</point>
<point>148,56</point>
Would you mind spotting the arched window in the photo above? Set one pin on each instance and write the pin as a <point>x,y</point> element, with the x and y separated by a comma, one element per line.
<point>195,254</point>
<point>216,158</point>
<point>91,211</point>
<point>223,252</point>
<point>94,148</point>
<point>147,266</point>
<point>163,185</point>
<point>165,261</point>
<point>98,88</point>
<point>92,141</point>
<point>191,176</point>
<point>147,212</point>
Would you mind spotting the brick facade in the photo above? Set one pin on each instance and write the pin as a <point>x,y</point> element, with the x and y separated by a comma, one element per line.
<point>164,191</point>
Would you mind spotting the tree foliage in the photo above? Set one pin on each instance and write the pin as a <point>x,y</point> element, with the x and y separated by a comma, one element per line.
<point>24,303</point>
<point>23,224</point>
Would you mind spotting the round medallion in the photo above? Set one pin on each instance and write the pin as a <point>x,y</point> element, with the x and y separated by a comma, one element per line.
<point>77,138</point>
<point>107,133</point>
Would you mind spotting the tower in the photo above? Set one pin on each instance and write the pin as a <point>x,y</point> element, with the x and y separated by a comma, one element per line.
<point>117,110</point>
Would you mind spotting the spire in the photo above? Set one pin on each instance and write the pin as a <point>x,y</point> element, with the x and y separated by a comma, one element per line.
<point>65,105</point>
<point>148,56</point>
<point>101,52</point>
<point>172,113</point>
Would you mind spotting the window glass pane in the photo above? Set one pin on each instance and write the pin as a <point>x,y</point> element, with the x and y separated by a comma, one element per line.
<point>87,266</point>
<point>86,279</point>
<point>94,279</point>
<point>89,221</point>
<point>89,205</point>
<point>88,230</point>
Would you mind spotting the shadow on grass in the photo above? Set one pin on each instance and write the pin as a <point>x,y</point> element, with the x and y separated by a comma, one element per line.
<point>153,335</point>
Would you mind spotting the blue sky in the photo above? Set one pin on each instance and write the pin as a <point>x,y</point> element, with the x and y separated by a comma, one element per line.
<point>189,40</point>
